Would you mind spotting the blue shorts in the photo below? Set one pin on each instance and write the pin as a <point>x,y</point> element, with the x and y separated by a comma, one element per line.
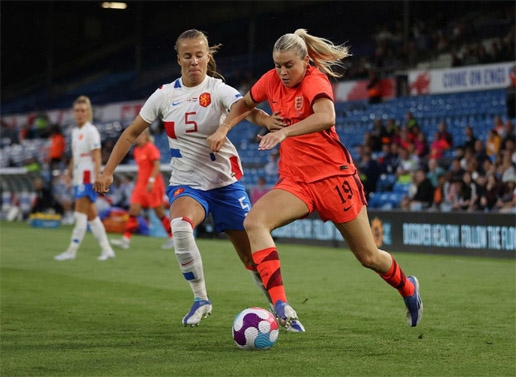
<point>85,191</point>
<point>228,205</point>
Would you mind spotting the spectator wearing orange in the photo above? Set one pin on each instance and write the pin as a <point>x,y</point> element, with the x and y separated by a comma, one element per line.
<point>374,88</point>
<point>57,147</point>
<point>493,144</point>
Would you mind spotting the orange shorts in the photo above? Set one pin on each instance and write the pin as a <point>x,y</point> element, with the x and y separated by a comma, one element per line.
<point>338,198</point>
<point>146,199</point>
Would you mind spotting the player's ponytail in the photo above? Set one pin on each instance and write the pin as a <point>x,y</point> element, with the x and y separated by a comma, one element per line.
<point>322,52</point>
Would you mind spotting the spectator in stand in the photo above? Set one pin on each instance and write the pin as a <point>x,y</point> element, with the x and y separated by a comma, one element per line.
<point>439,193</point>
<point>456,60</point>
<point>378,135</point>
<point>390,127</point>
<point>423,192</point>
<point>374,87</point>
<point>480,153</point>
<point>466,155</point>
<point>406,166</point>
<point>369,171</point>
<point>456,169</point>
<point>438,147</point>
<point>507,202</point>
<point>508,134</point>
<point>505,168</point>
<point>57,148</point>
<point>499,126</point>
<point>420,143</point>
<point>259,190</point>
<point>494,191</point>
<point>405,139</point>
<point>434,171</point>
<point>410,121</point>
<point>443,134</point>
<point>493,144</point>
<point>9,133</point>
<point>390,159</point>
<point>510,94</point>
<point>44,201</point>
<point>510,147</point>
<point>469,137</point>
<point>467,194</point>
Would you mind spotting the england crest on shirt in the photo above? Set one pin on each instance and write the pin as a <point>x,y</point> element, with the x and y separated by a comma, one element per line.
<point>298,103</point>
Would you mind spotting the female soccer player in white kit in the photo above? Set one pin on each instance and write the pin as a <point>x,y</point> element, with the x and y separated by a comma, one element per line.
<point>201,182</point>
<point>84,167</point>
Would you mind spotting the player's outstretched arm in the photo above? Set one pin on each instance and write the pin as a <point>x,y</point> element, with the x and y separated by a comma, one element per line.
<point>120,150</point>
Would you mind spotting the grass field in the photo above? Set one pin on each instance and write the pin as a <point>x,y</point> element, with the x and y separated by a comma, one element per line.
<point>123,317</point>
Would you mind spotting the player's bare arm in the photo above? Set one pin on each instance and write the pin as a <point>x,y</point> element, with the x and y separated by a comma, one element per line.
<point>120,150</point>
<point>322,119</point>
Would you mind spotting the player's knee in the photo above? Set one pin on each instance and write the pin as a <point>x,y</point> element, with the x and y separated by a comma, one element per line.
<point>182,227</point>
<point>252,222</point>
<point>369,260</point>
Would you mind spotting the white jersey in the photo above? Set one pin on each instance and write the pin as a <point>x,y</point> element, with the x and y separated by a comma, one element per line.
<point>189,116</point>
<point>84,141</point>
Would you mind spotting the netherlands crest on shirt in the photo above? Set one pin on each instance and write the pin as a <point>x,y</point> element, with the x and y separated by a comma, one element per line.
<point>298,103</point>
<point>205,99</point>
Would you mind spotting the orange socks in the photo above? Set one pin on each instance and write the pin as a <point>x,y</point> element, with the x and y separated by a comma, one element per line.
<point>130,227</point>
<point>268,266</point>
<point>165,221</point>
<point>397,279</point>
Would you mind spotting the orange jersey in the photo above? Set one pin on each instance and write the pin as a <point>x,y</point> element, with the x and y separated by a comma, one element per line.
<point>145,156</point>
<point>313,156</point>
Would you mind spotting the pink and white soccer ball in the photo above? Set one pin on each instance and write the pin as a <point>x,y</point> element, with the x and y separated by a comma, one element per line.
<point>255,329</point>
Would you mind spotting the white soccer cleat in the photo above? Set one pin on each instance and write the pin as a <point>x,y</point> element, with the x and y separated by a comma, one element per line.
<point>287,317</point>
<point>200,309</point>
<point>123,243</point>
<point>168,245</point>
<point>106,254</point>
<point>67,255</point>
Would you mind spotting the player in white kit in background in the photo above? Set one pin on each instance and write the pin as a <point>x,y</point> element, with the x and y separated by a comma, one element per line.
<point>192,107</point>
<point>84,167</point>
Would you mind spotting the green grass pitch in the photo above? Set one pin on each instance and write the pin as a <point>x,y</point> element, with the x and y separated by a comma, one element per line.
<point>123,317</point>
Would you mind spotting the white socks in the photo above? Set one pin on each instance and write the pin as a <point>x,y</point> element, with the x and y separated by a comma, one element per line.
<point>98,230</point>
<point>188,256</point>
<point>79,230</point>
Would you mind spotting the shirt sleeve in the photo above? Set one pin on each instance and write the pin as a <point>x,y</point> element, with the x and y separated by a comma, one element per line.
<point>258,91</point>
<point>228,95</point>
<point>94,139</point>
<point>318,87</point>
<point>150,110</point>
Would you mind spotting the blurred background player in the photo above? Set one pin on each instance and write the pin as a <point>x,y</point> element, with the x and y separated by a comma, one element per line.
<point>84,167</point>
<point>148,192</point>
<point>201,182</point>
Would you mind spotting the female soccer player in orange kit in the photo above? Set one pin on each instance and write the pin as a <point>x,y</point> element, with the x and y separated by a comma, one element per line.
<point>148,191</point>
<point>316,171</point>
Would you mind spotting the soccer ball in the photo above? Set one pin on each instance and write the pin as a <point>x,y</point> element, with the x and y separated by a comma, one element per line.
<point>255,329</point>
